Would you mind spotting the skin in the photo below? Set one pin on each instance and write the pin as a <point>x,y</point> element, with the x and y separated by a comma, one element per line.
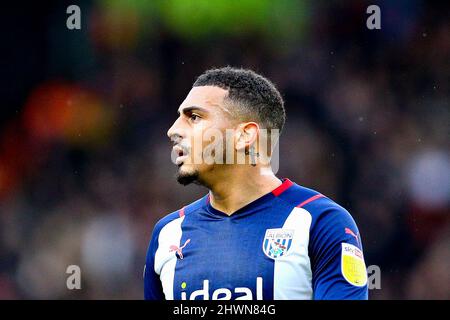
<point>232,186</point>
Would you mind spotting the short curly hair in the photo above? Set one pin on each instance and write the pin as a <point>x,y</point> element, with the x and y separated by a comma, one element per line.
<point>253,97</point>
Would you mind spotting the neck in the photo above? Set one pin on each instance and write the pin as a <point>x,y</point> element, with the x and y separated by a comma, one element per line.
<point>234,188</point>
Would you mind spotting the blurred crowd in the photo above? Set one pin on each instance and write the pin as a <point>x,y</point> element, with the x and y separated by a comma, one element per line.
<point>85,168</point>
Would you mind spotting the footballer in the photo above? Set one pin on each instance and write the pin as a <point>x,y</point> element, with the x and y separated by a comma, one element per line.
<point>254,236</point>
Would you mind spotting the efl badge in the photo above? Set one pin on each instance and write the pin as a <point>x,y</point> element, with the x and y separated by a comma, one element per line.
<point>353,265</point>
<point>277,242</point>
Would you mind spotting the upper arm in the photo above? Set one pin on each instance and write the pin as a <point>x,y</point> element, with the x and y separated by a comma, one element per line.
<point>337,261</point>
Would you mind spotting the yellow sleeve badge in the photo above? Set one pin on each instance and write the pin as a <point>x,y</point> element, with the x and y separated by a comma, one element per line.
<point>353,266</point>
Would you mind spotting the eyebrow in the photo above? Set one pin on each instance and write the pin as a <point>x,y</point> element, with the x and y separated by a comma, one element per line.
<point>192,108</point>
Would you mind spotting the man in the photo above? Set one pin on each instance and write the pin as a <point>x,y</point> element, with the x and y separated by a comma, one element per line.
<point>253,236</point>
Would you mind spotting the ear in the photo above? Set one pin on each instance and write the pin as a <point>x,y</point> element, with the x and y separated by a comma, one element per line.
<point>246,135</point>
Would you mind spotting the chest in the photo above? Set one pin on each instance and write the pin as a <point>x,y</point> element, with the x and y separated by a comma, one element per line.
<point>243,260</point>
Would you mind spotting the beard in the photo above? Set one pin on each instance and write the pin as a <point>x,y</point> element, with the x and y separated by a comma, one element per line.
<point>186,178</point>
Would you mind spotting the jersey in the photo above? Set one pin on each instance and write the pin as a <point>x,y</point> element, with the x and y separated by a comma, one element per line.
<point>292,243</point>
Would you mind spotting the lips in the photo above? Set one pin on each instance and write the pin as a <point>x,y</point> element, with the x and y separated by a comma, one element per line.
<point>181,153</point>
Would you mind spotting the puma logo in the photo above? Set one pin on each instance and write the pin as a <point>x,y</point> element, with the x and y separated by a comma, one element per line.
<point>350,232</point>
<point>179,250</point>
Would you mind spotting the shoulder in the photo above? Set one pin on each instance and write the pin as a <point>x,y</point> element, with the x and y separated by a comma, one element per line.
<point>330,222</point>
<point>321,208</point>
<point>178,214</point>
<point>325,211</point>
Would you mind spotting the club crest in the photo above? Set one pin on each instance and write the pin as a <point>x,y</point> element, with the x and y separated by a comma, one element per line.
<point>277,242</point>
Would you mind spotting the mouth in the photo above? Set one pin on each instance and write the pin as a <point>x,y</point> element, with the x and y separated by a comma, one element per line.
<point>181,154</point>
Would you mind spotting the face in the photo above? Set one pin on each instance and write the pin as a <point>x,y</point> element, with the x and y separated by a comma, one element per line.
<point>202,111</point>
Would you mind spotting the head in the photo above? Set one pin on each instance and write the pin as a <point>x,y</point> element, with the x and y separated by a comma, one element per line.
<point>221,121</point>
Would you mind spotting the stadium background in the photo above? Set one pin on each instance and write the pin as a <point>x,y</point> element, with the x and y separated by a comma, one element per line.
<point>85,167</point>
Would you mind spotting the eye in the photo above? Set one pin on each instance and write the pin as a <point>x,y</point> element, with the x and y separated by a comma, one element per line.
<point>194,117</point>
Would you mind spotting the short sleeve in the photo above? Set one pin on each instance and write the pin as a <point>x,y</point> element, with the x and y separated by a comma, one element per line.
<point>336,254</point>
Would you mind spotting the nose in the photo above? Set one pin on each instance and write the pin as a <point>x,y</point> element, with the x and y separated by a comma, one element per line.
<point>175,131</point>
